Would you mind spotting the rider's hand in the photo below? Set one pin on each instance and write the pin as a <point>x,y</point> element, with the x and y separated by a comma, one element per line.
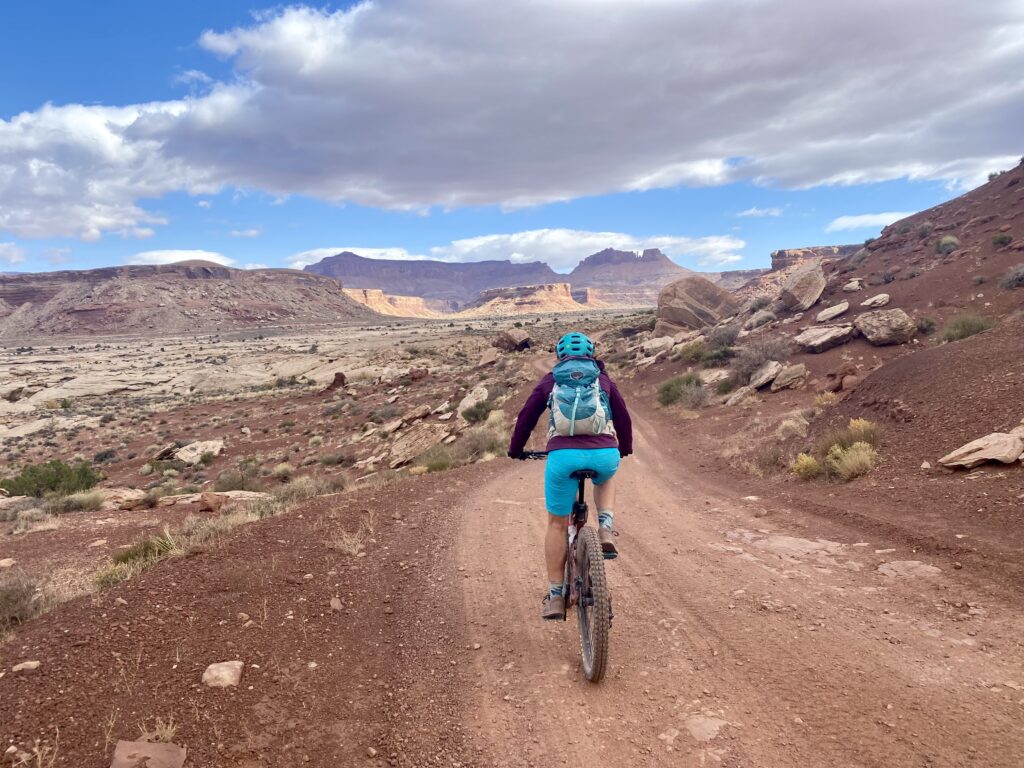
<point>624,454</point>
<point>520,455</point>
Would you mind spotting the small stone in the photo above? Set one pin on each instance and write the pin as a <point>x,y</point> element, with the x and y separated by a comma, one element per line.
<point>336,604</point>
<point>223,674</point>
<point>371,752</point>
<point>98,543</point>
<point>120,601</point>
<point>388,610</point>
<point>26,666</point>
<point>7,562</point>
<point>243,617</point>
<point>477,646</point>
<point>926,465</point>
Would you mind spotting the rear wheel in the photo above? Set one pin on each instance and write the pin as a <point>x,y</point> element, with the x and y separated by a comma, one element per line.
<point>594,609</point>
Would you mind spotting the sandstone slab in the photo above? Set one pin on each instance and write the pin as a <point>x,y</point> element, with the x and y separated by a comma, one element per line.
<point>475,396</point>
<point>690,304</point>
<point>765,374</point>
<point>886,326</point>
<point>414,441</point>
<point>998,446</point>
<point>790,377</point>
<point>656,345</point>
<point>193,452</point>
<point>741,395</point>
<point>876,301</point>
<point>512,340</point>
<point>132,754</point>
<point>833,312</point>
<point>852,286</point>
<point>823,338</point>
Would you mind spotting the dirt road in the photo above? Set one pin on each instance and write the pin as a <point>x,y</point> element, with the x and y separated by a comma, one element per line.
<point>747,633</point>
<point>735,642</point>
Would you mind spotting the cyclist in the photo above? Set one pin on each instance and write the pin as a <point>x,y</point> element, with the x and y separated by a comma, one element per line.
<point>589,428</point>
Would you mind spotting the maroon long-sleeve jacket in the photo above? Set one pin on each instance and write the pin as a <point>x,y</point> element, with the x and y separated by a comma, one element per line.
<point>537,403</point>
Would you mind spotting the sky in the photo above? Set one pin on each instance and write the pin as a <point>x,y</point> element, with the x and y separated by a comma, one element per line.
<point>716,130</point>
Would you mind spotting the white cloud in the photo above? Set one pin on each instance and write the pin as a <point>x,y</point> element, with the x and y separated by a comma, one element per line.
<point>173,256</point>
<point>204,204</point>
<point>57,256</point>
<point>447,103</point>
<point>865,221</point>
<point>760,212</point>
<point>251,232</point>
<point>193,77</point>
<point>11,253</point>
<point>255,266</point>
<point>562,249</point>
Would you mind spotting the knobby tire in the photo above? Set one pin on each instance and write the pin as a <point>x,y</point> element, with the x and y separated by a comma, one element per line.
<point>594,619</point>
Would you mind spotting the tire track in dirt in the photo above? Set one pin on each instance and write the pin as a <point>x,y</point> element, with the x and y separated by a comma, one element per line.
<point>733,644</point>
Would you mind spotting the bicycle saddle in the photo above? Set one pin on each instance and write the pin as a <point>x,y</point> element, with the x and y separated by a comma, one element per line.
<point>589,474</point>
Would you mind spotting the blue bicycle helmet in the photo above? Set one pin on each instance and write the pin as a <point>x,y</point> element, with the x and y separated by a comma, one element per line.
<point>574,344</point>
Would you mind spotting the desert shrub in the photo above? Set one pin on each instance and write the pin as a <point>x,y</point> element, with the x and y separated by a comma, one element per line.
<point>149,549</point>
<point>54,477</point>
<point>76,502</point>
<point>106,418</point>
<point>716,357</point>
<point>13,509</point>
<point>105,456</point>
<point>925,325</point>
<point>805,466</point>
<point>856,431</point>
<point>925,229</point>
<point>1002,239</point>
<point>692,352</point>
<point>337,460</point>
<point>848,463</point>
<point>283,471</point>
<point>35,519</point>
<point>688,389</point>
<point>759,303</point>
<point>241,479</point>
<point>302,488</point>
<point>489,437</point>
<point>964,326</point>
<point>479,412</point>
<point>437,458</point>
<point>207,458</point>
<point>947,244</point>
<point>18,601</point>
<point>1013,279</point>
<point>723,335</point>
<point>725,386</point>
<point>825,399</point>
<point>978,279</point>
<point>755,354</point>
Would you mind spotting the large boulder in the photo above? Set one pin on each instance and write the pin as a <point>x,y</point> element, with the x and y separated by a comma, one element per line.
<point>692,303</point>
<point>512,340</point>
<point>886,326</point>
<point>998,446</point>
<point>876,301</point>
<point>416,440</point>
<point>803,288</point>
<point>658,344</point>
<point>825,337</point>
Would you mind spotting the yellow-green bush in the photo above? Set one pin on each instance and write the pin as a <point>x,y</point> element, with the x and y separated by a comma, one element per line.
<point>848,463</point>
<point>805,466</point>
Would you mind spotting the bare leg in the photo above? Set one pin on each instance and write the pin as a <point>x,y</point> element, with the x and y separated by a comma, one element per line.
<point>604,495</point>
<point>554,546</point>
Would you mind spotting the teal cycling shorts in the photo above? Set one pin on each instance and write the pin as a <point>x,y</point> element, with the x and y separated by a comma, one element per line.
<point>560,488</point>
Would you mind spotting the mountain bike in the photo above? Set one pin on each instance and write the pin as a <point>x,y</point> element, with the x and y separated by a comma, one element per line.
<point>584,584</point>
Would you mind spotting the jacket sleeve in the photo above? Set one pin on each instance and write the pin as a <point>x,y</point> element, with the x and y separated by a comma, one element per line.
<point>620,418</point>
<point>535,405</point>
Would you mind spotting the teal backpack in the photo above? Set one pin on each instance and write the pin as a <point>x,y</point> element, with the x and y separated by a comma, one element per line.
<point>578,404</point>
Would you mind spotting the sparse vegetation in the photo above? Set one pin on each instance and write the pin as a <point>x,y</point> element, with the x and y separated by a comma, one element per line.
<point>241,479</point>
<point>687,389</point>
<point>759,303</point>
<point>848,463</point>
<point>925,325</point>
<point>53,477</point>
<point>825,399</point>
<point>964,326</point>
<point>1002,239</point>
<point>1013,279</point>
<point>479,412</point>
<point>756,353</point>
<point>806,467</point>
<point>283,471</point>
<point>76,502</point>
<point>18,602</point>
<point>947,244</point>
<point>436,459</point>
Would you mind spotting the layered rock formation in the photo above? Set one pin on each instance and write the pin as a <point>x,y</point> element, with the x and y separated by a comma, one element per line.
<point>396,306</point>
<point>187,297</point>
<point>692,303</point>
<point>789,257</point>
<point>459,283</point>
<point>527,299</point>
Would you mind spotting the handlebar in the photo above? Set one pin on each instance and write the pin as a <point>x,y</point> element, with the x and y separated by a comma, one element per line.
<point>535,454</point>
